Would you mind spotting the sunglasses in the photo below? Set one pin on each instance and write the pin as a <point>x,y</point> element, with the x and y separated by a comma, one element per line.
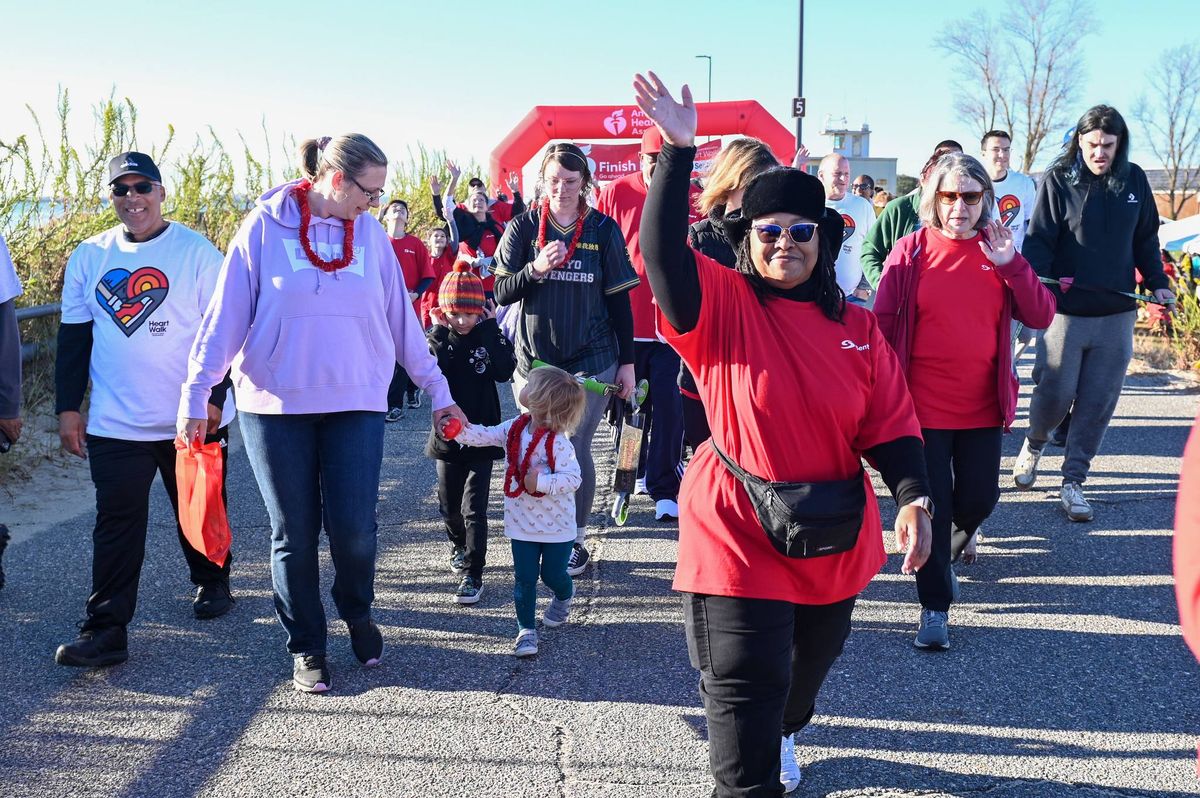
<point>122,189</point>
<point>801,233</point>
<point>951,197</point>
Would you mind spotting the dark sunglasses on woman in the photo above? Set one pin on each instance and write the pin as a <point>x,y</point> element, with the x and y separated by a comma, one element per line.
<point>121,189</point>
<point>801,232</point>
<point>951,197</point>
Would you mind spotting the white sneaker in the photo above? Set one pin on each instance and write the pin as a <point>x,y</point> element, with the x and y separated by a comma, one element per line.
<point>789,771</point>
<point>666,510</point>
<point>527,643</point>
<point>1073,502</point>
<point>639,487</point>
<point>1024,471</point>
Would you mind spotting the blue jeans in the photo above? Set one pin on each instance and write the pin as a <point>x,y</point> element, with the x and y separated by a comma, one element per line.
<point>551,559</point>
<point>312,469</point>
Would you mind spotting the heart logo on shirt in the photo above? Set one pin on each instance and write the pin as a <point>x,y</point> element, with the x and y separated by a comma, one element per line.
<point>130,299</point>
<point>1009,206</point>
<point>847,227</point>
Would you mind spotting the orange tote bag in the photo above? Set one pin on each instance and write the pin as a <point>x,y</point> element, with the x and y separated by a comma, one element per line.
<point>201,510</point>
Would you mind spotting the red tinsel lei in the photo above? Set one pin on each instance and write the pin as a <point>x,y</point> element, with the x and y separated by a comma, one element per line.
<point>301,194</point>
<point>518,467</point>
<point>541,241</point>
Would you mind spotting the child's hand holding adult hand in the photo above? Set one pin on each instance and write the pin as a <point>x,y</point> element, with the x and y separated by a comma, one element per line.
<point>531,478</point>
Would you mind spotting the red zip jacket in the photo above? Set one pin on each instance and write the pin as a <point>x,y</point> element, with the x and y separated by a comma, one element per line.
<point>1026,300</point>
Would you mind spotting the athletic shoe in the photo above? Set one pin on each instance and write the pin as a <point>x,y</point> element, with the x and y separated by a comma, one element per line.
<point>1073,502</point>
<point>95,648</point>
<point>577,563</point>
<point>557,612</point>
<point>1024,472</point>
<point>527,643</point>
<point>666,510</point>
<point>789,771</point>
<point>310,674</point>
<point>212,600</point>
<point>469,590</point>
<point>639,487</point>
<point>414,400</point>
<point>458,560</point>
<point>394,414</point>
<point>367,642</point>
<point>3,545</point>
<point>934,632</point>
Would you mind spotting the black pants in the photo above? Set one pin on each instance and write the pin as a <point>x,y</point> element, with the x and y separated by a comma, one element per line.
<point>123,472</point>
<point>964,478</point>
<point>761,666</point>
<point>695,422</point>
<point>662,444</point>
<point>401,386</point>
<point>463,502</point>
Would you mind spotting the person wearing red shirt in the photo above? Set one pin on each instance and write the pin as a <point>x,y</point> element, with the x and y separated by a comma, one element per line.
<point>418,277</point>
<point>1187,543</point>
<point>442,254</point>
<point>799,387</point>
<point>662,460</point>
<point>958,363</point>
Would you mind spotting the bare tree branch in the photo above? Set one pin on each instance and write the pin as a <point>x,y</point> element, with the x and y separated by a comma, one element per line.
<point>1170,118</point>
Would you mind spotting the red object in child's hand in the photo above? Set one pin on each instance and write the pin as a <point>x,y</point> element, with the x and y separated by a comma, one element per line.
<point>451,427</point>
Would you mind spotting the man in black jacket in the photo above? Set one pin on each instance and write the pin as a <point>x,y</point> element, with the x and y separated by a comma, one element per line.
<point>1094,223</point>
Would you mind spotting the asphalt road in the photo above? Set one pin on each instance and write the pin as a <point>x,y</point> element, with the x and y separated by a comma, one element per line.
<point>1068,676</point>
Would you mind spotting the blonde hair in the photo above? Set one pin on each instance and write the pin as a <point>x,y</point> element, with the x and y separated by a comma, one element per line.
<point>349,154</point>
<point>554,398</point>
<point>733,169</point>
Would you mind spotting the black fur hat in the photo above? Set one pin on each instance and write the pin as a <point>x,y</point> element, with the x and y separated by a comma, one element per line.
<point>787,190</point>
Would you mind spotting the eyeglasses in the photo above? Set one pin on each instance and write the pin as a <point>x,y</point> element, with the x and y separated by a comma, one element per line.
<point>570,184</point>
<point>372,196</point>
<point>801,232</point>
<point>951,197</point>
<point>144,187</point>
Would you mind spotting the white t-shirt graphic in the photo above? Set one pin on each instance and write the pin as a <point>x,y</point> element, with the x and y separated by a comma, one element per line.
<point>857,217</point>
<point>145,301</point>
<point>1015,195</point>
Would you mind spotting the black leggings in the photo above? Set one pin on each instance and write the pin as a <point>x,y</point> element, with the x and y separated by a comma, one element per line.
<point>964,480</point>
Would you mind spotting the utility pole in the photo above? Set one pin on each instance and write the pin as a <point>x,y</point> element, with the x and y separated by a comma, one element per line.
<point>800,77</point>
<point>709,57</point>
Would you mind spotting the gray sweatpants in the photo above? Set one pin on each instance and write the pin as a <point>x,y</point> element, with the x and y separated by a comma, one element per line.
<point>581,440</point>
<point>1080,359</point>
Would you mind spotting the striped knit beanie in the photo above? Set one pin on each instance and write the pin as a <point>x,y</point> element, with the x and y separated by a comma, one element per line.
<point>461,291</point>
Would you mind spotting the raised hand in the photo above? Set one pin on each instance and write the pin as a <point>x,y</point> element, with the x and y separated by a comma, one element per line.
<point>455,172</point>
<point>435,185</point>
<point>997,244</point>
<point>676,120</point>
<point>514,182</point>
<point>801,157</point>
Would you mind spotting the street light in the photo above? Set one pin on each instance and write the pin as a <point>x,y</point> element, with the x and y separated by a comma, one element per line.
<point>709,58</point>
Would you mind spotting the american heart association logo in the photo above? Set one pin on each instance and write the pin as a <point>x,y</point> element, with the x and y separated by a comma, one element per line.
<point>1009,206</point>
<point>847,227</point>
<point>130,299</point>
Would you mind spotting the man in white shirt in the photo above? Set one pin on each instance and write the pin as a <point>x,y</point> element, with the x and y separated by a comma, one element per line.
<point>1014,192</point>
<point>133,297</point>
<point>858,215</point>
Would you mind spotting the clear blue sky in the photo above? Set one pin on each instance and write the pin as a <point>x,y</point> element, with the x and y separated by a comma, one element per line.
<point>402,72</point>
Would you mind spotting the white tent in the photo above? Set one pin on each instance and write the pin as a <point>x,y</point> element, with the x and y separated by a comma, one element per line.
<point>1182,234</point>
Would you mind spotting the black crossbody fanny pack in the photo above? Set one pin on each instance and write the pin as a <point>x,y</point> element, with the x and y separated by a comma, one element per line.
<point>805,519</point>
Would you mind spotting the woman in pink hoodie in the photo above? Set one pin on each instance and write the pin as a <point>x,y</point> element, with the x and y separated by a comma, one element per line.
<point>946,302</point>
<point>311,312</point>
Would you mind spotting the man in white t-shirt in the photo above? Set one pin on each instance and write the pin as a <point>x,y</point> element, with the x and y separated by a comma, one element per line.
<point>858,215</point>
<point>133,297</point>
<point>10,368</point>
<point>1014,192</point>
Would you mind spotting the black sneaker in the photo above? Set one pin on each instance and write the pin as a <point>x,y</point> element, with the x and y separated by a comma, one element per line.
<point>469,590</point>
<point>212,600</point>
<point>367,642</point>
<point>394,414</point>
<point>310,674</point>
<point>458,560</point>
<point>414,400</point>
<point>95,648</point>
<point>578,561</point>
<point>3,545</point>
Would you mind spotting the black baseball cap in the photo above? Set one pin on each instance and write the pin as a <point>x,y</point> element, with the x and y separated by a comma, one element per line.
<point>133,163</point>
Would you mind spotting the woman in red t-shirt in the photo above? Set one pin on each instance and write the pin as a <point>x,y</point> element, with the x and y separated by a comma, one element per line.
<point>946,302</point>
<point>799,387</point>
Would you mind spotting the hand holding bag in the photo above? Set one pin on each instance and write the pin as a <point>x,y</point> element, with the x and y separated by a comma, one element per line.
<point>201,509</point>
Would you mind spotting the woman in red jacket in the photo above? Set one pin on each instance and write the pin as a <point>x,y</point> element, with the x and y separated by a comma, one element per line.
<point>799,386</point>
<point>946,302</point>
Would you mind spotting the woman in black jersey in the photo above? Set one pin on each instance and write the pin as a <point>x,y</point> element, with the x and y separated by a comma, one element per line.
<point>567,265</point>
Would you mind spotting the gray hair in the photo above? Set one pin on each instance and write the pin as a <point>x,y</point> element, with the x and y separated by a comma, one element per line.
<point>349,154</point>
<point>955,164</point>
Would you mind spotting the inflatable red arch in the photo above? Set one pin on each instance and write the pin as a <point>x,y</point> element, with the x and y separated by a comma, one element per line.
<point>546,123</point>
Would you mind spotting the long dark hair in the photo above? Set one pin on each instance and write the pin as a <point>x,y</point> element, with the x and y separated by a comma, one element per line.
<point>1107,119</point>
<point>825,291</point>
